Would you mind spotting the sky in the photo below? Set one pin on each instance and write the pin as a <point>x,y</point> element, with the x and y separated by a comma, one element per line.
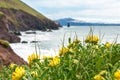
<point>86,10</point>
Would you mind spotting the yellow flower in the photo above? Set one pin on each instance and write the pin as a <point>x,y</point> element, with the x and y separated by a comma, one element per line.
<point>33,57</point>
<point>116,79</point>
<point>95,38</point>
<point>54,61</point>
<point>18,73</point>
<point>98,77</point>
<point>107,44</point>
<point>63,50</point>
<point>117,75</point>
<point>91,39</point>
<point>12,65</point>
<point>34,73</point>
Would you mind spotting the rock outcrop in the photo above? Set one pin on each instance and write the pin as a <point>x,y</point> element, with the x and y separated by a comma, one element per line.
<point>9,37</point>
<point>4,32</point>
<point>7,56</point>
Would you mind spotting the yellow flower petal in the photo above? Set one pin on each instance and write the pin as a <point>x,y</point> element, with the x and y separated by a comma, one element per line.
<point>18,73</point>
<point>33,57</point>
<point>117,74</point>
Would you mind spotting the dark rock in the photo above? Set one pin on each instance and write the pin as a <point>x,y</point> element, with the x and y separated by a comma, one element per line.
<point>34,41</point>
<point>9,37</point>
<point>4,32</point>
<point>24,42</point>
<point>17,33</point>
<point>32,32</point>
<point>7,56</point>
<point>49,30</point>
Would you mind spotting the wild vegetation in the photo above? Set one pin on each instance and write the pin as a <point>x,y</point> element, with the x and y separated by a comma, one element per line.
<point>19,5</point>
<point>88,60</point>
<point>4,43</point>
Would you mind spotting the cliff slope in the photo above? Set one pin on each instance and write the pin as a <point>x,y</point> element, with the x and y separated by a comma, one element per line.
<point>7,55</point>
<point>22,17</point>
<point>17,16</point>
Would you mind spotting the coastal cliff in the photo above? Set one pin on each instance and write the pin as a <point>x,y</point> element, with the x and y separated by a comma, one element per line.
<point>19,20</point>
<point>16,16</point>
<point>7,55</point>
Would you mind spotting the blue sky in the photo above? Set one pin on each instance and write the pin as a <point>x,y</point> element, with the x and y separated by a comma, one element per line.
<point>87,10</point>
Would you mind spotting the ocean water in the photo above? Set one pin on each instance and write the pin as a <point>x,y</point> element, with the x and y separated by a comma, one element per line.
<point>48,43</point>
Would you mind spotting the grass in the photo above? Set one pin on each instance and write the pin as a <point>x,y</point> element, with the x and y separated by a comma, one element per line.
<point>76,61</point>
<point>1,14</point>
<point>4,43</point>
<point>19,5</point>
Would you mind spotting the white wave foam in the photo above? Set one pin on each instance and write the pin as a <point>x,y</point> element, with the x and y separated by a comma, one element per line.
<point>23,50</point>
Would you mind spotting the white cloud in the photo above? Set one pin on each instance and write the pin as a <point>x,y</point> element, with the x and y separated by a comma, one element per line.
<point>56,3</point>
<point>90,15</point>
<point>70,3</point>
<point>87,9</point>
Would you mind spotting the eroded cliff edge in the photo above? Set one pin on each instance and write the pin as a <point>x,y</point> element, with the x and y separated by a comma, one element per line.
<point>7,56</point>
<point>12,20</point>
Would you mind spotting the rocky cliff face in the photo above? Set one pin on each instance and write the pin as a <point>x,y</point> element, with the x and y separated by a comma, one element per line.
<point>17,16</point>
<point>18,20</point>
<point>4,32</point>
<point>8,56</point>
<point>12,20</point>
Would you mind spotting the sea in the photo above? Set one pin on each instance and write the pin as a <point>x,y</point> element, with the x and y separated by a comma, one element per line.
<point>49,43</point>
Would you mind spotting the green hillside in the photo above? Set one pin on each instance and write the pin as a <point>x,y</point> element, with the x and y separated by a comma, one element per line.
<point>17,15</point>
<point>19,5</point>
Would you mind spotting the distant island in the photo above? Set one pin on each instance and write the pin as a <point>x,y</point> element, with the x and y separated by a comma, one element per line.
<point>75,22</point>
